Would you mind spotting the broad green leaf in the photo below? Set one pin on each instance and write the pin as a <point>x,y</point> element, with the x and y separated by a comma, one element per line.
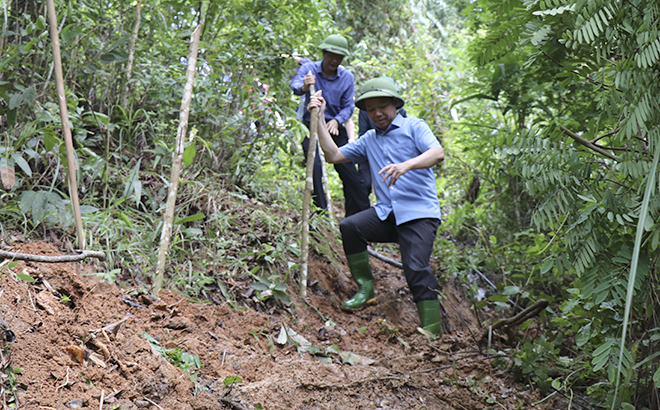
<point>547,265</point>
<point>604,348</point>
<point>583,335</point>
<point>41,23</point>
<point>50,139</point>
<point>229,380</point>
<point>510,290</point>
<point>648,223</point>
<point>259,286</point>
<point>18,158</point>
<point>70,32</point>
<point>88,209</point>
<point>15,100</point>
<point>25,277</point>
<point>189,154</point>
<point>190,218</point>
<point>556,384</point>
<point>498,298</point>
<point>29,94</point>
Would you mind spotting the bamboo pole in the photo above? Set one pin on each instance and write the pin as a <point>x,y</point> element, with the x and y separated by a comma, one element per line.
<point>66,129</point>
<point>311,155</point>
<point>177,161</point>
<point>131,53</point>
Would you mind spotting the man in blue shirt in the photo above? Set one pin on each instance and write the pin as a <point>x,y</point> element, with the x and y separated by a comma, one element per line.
<point>337,85</point>
<point>401,153</point>
<point>365,125</point>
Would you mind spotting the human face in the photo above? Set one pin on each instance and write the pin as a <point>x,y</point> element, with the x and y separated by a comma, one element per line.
<point>381,111</point>
<point>331,60</point>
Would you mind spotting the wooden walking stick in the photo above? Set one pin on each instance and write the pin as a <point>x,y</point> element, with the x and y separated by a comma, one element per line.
<point>324,172</point>
<point>66,129</point>
<point>311,154</point>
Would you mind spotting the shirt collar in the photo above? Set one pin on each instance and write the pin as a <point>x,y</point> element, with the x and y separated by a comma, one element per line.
<point>396,123</point>
<point>319,70</point>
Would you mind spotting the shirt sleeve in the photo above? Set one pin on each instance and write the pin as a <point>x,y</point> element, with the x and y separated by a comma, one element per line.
<point>356,150</point>
<point>347,104</point>
<point>297,81</point>
<point>424,138</point>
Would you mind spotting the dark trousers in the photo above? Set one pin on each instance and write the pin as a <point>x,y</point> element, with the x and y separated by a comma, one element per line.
<point>415,239</point>
<point>356,196</point>
<point>365,175</point>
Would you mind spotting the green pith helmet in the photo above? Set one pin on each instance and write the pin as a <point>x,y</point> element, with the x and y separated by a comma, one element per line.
<point>379,87</point>
<point>335,43</point>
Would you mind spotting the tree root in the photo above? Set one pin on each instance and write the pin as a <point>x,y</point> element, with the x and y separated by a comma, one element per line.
<point>518,319</point>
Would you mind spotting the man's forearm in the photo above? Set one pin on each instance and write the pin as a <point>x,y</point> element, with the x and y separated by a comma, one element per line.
<point>350,129</point>
<point>330,149</point>
<point>427,159</point>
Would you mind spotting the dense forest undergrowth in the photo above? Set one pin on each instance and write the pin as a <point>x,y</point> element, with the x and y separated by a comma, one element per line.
<point>547,112</point>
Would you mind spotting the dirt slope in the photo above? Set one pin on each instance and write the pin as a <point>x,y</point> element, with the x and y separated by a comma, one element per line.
<point>375,359</point>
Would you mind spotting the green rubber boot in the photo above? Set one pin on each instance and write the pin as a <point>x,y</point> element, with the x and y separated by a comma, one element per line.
<point>361,272</point>
<point>429,316</point>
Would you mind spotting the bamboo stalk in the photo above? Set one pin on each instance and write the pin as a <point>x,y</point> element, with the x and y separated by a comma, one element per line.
<point>131,53</point>
<point>311,154</point>
<point>66,129</point>
<point>177,162</point>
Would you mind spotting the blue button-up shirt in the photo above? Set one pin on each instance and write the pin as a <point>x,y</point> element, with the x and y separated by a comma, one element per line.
<point>414,195</point>
<point>337,91</point>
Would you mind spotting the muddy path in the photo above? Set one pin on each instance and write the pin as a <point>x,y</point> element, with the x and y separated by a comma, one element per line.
<point>74,341</point>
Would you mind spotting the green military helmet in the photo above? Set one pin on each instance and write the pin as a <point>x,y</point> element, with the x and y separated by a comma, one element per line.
<point>335,43</point>
<point>379,87</point>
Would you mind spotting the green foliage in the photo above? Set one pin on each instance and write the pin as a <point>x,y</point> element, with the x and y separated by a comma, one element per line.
<point>271,287</point>
<point>507,87</point>
<point>187,362</point>
<point>574,82</point>
<point>230,380</point>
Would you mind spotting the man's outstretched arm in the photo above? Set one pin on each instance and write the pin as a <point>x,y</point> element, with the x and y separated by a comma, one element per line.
<point>332,153</point>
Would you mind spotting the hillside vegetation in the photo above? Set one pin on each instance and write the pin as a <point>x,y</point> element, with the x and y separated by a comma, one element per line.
<point>547,110</point>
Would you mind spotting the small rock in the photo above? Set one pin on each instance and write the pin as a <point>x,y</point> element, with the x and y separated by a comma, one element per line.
<point>178,323</point>
<point>140,404</point>
<point>75,404</point>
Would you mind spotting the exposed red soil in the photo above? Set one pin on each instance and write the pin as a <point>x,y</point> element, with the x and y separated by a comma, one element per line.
<point>393,365</point>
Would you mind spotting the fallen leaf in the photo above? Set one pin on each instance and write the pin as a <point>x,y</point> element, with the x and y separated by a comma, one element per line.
<point>77,354</point>
<point>103,349</point>
<point>8,176</point>
<point>97,360</point>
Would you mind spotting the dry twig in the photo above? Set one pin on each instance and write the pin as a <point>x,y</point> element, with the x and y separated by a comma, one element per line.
<point>52,259</point>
